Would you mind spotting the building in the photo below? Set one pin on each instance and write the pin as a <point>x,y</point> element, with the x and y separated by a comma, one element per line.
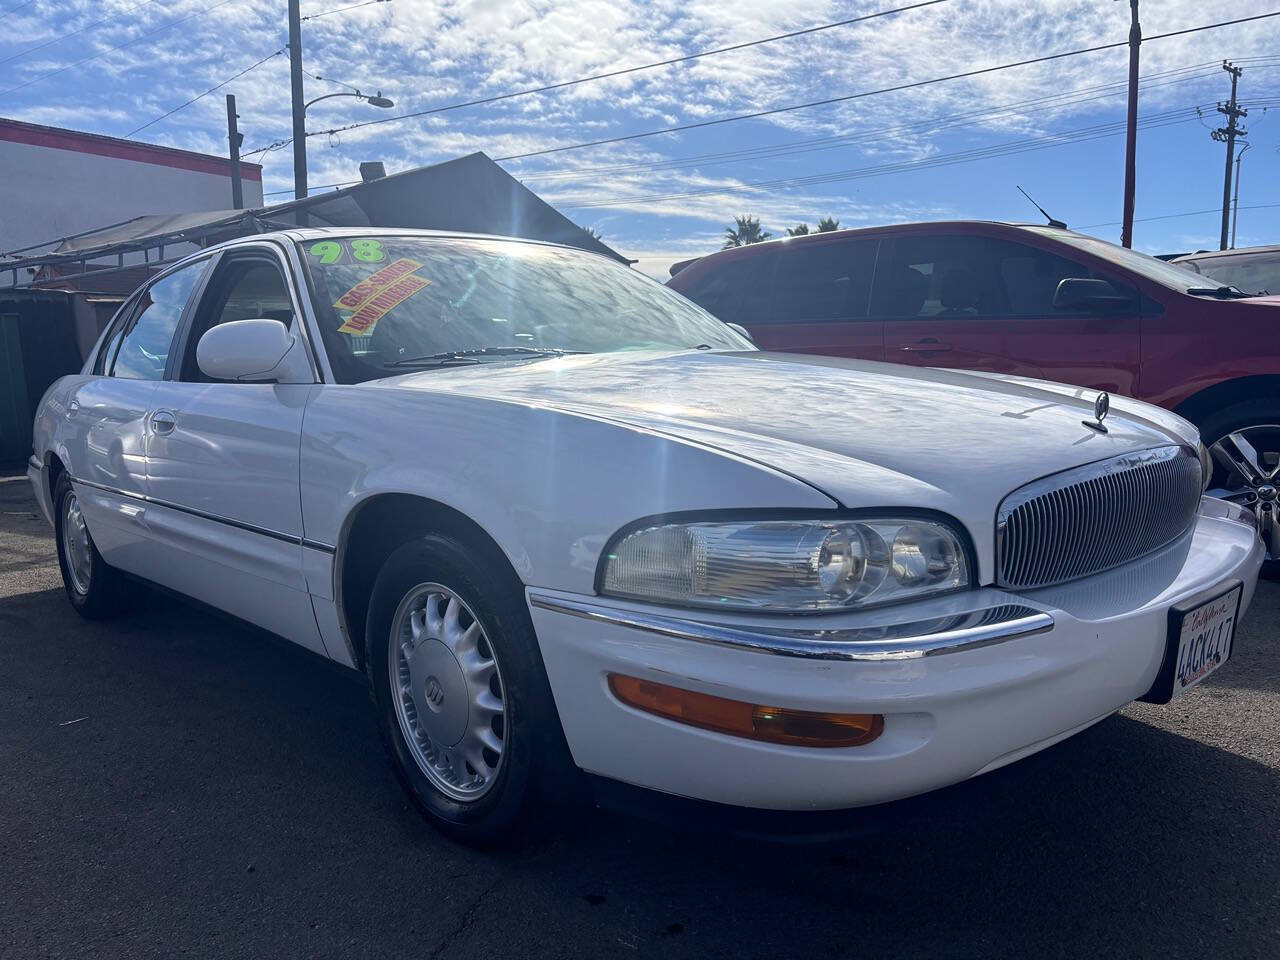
<point>57,183</point>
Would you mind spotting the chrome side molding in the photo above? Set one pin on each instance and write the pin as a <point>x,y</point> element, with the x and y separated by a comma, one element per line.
<point>900,641</point>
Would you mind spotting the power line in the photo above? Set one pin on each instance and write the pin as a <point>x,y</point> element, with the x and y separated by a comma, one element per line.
<point>128,43</point>
<point>627,70</point>
<point>915,84</point>
<point>934,124</point>
<point>88,26</point>
<point>1010,148</point>
<point>183,106</point>
<point>1174,216</point>
<point>5,13</point>
<point>317,16</point>
<point>1097,131</point>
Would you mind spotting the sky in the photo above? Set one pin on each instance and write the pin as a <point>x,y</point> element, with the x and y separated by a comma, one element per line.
<point>949,150</point>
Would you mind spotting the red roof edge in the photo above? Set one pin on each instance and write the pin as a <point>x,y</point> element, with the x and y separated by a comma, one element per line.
<point>18,131</point>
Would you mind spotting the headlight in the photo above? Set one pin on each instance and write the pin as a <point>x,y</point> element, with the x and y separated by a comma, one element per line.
<point>786,565</point>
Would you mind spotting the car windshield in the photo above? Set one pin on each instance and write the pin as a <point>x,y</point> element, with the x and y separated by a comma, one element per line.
<point>1251,272</point>
<point>1163,273</point>
<point>388,304</point>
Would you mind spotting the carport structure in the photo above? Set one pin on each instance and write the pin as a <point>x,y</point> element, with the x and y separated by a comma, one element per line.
<point>471,194</point>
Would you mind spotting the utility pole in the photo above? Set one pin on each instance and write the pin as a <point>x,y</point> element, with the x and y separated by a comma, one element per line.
<point>1131,128</point>
<point>1233,112</point>
<point>299,107</point>
<point>1235,203</point>
<point>234,138</point>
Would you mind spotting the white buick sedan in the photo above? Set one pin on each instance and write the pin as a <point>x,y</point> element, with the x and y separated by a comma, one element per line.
<point>562,520</point>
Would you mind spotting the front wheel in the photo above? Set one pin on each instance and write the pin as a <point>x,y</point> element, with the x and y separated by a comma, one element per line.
<point>1244,442</point>
<point>464,703</point>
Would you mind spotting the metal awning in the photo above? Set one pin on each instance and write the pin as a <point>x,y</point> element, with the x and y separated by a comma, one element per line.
<point>471,194</point>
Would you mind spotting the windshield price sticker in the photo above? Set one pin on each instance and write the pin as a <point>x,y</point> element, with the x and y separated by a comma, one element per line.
<point>362,322</point>
<point>363,291</point>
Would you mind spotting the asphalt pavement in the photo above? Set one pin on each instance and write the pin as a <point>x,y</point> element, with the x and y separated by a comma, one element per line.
<point>173,784</point>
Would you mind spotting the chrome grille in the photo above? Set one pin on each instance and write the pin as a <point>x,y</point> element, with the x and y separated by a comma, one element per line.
<point>1095,517</point>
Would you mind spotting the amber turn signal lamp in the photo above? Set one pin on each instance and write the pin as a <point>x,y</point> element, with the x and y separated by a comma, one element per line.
<point>796,728</point>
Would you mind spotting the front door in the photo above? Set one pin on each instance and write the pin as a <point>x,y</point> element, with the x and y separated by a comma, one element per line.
<point>985,303</point>
<point>223,467</point>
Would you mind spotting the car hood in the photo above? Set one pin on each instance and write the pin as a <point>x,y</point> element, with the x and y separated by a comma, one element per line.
<point>866,434</point>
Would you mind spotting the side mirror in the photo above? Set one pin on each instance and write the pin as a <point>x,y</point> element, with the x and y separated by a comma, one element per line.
<point>261,350</point>
<point>1093,296</point>
<point>739,328</point>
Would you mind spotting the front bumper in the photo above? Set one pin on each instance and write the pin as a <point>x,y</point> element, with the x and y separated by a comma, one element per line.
<point>967,683</point>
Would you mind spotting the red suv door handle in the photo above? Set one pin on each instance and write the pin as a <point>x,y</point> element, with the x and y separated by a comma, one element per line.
<point>926,346</point>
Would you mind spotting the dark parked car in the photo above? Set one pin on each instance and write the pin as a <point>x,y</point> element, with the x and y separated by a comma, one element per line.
<point>1251,269</point>
<point>1031,301</point>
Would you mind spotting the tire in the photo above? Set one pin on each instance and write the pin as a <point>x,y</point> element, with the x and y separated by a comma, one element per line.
<point>1254,417</point>
<point>96,589</point>
<point>534,781</point>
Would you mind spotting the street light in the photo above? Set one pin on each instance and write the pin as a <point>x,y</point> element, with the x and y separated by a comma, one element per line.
<point>377,100</point>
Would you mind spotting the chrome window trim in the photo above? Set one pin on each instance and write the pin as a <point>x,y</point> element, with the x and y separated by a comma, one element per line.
<point>912,640</point>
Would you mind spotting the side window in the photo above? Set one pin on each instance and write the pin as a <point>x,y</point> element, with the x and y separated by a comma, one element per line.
<point>823,281</point>
<point>1031,277</point>
<point>144,350</point>
<point>954,276</point>
<point>243,288</point>
<point>111,341</point>
<point>735,289</point>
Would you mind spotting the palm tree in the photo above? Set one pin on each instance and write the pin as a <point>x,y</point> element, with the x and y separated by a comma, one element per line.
<point>745,230</point>
<point>801,231</point>
<point>827,224</point>
<point>592,232</point>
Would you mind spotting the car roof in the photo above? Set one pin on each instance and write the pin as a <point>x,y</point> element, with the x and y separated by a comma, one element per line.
<point>1221,254</point>
<point>303,234</point>
<point>1040,229</point>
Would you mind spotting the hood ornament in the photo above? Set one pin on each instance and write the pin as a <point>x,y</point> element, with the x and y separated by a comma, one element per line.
<point>1101,407</point>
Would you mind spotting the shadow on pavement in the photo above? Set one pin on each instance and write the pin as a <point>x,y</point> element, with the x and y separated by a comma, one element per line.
<point>177,783</point>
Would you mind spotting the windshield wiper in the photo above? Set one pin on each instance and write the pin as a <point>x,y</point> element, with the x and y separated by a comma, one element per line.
<point>475,354</point>
<point>1222,293</point>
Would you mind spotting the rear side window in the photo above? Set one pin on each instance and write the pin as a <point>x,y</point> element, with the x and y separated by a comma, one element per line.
<point>818,282</point>
<point>144,351</point>
<point>955,276</point>
<point>734,289</point>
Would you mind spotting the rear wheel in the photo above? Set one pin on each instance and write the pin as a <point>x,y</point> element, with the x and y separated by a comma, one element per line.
<point>94,588</point>
<point>464,703</point>
<point>1244,442</point>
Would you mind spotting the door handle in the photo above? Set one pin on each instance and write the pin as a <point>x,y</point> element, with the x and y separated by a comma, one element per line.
<point>162,421</point>
<point>926,346</point>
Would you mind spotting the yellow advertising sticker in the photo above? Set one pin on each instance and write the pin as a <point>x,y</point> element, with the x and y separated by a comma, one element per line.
<point>377,294</point>
<point>366,288</point>
<point>383,300</point>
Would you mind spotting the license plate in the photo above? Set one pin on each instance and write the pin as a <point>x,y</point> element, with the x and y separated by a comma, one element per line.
<point>1200,638</point>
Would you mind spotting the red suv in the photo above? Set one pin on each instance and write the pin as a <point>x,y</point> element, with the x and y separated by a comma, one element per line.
<point>1028,300</point>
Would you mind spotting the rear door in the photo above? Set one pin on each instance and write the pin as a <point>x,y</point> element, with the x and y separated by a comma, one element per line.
<point>222,466</point>
<point>108,426</point>
<point>821,290</point>
<point>981,302</point>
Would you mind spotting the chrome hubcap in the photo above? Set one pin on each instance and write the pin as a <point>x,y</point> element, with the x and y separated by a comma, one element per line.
<point>448,692</point>
<point>1248,471</point>
<point>75,544</point>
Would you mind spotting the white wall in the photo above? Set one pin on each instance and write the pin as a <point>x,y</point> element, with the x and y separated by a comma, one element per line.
<point>49,192</point>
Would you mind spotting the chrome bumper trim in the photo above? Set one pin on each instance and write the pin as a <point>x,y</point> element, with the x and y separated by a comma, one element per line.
<point>899,641</point>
